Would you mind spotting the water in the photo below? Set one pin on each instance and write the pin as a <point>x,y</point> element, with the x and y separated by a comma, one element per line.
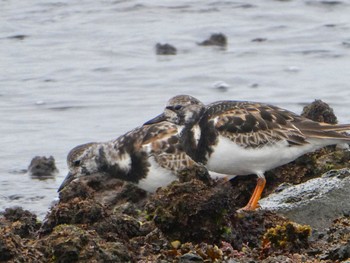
<point>78,71</point>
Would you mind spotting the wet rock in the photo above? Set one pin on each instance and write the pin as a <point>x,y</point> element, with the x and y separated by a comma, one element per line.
<point>217,39</point>
<point>319,111</point>
<point>69,243</point>
<point>17,228</point>
<point>189,258</point>
<point>23,222</point>
<point>42,167</point>
<point>103,189</point>
<point>195,206</point>
<point>165,49</point>
<point>316,203</point>
<point>97,200</point>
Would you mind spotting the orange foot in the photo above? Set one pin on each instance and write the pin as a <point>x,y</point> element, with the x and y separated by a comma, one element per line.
<point>253,202</point>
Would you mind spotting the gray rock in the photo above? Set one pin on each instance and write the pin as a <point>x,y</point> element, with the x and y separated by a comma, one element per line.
<point>190,258</point>
<point>316,202</point>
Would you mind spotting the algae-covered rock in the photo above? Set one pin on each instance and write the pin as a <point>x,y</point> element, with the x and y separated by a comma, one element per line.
<point>24,223</point>
<point>18,229</point>
<point>289,236</point>
<point>69,243</point>
<point>319,111</point>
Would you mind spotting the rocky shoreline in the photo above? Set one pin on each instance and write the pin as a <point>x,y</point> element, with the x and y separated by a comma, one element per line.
<point>99,219</point>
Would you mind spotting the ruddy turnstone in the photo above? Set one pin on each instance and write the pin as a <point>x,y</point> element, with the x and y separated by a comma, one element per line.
<point>150,156</point>
<point>241,138</point>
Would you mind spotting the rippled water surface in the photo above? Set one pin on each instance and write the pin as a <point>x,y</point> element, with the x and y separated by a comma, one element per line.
<point>78,71</point>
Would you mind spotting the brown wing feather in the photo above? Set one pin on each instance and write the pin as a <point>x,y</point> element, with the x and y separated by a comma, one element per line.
<point>166,147</point>
<point>322,130</point>
<point>254,124</point>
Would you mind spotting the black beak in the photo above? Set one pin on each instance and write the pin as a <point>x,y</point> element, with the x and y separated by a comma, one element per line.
<point>157,119</point>
<point>69,178</point>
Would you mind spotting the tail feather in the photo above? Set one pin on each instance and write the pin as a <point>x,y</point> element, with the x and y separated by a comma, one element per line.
<point>313,129</point>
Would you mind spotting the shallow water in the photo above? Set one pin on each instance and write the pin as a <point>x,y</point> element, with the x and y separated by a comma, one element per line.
<point>74,72</point>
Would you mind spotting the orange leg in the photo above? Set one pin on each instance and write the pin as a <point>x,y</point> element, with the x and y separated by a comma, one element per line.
<point>253,202</point>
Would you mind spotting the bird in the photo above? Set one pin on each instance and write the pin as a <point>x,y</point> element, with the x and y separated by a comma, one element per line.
<point>149,156</point>
<point>240,137</point>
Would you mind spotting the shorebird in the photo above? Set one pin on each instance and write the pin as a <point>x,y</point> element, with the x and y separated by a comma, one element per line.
<point>241,138</point>
<point>150,156</point>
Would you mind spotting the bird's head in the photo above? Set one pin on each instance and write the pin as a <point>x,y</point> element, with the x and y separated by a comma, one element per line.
<point>180,110</point>
<point>82,161</point>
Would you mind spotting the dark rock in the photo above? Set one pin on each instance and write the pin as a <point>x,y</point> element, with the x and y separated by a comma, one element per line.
<point>17,226</point>
<point>165,49</point>
<point>319,111</point>
<point>189,258</point>
<point>181,207</point>
<point>103,188</point>
<point>42,167</point>
<point>218,39</point>
<point>69,243</point>
<point>25,224</point>
<point>340,252</point>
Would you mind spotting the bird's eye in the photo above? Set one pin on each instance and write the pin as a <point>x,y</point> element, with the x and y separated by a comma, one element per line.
<point>177,107</point>
<point>76,163</point>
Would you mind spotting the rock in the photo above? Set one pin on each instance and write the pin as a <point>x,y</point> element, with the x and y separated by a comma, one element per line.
<point>217,39</point>
<point>24,223</point>
<point>195,206</point>
<point>42,167</point>
<point>340,252</point>
<point>288,235</point>
<point>189,258</point>
<point>316,203</point>
<point>17,227</point>
<point>70,243</point>
<point>319,111</point>
<point>165,49</point>
<point>334,244</point>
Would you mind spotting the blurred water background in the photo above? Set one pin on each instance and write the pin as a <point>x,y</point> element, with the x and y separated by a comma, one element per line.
<point>78,71</point>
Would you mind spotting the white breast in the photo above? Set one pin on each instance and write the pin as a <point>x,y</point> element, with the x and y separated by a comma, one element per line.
<point>232,159</point>
<point>157,176</point>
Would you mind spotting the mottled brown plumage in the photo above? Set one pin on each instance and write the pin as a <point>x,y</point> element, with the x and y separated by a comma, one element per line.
<point>150,156</point>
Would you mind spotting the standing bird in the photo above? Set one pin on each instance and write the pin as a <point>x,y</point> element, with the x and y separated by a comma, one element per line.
<point>241,138</point>
<point>150,156</point>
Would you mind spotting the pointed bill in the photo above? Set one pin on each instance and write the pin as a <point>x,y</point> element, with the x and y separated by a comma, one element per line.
<point>69,178</point>
<point>159,118</point>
